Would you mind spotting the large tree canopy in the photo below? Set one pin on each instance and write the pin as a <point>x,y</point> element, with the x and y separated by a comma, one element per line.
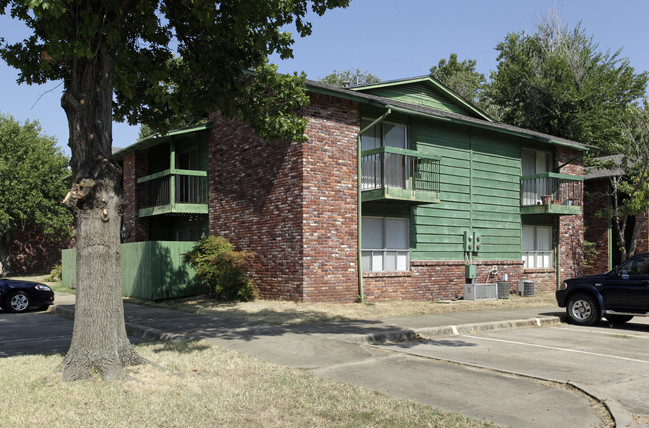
<point>461,77</point>
<point>146,62</point>
<point>32,184</point>
<point>628,172</point>
<point>557,81</point>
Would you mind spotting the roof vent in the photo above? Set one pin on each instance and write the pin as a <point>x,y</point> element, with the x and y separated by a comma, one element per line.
<point>347,84</point>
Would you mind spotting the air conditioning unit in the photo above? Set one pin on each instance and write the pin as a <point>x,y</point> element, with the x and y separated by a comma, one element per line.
<point>526,288</point>
<point>480,291</point>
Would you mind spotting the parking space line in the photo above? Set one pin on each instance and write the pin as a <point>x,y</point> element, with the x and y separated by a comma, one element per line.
<point>610,333</point>
<point>558,349</point>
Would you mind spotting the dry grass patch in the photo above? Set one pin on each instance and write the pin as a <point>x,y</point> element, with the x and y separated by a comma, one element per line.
<point>203,387</point>
<point>283,313</point>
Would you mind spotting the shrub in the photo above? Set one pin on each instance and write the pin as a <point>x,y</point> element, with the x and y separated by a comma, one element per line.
<point>221,269</point>
<point>56,274</point>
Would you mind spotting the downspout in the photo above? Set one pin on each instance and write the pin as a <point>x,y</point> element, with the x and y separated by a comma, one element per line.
<point>359,190</point>
<point>559,253</point>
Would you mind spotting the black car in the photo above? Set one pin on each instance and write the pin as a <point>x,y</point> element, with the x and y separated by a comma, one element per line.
<point>618,295</point>
<point>19,296</point>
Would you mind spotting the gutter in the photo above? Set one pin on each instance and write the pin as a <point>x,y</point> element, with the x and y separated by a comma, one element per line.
<point>488,126</point>
<point>359,190</point>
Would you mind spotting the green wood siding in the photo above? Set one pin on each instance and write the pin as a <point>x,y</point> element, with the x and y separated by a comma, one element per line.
<point>480,193</point>
<point>150,270</point>
<point>422,94</point>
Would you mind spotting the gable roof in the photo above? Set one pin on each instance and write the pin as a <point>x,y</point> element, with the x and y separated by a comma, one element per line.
<point>157,138</point>
<point>426,91</point>
<point>593,172</point>
<point>363,96</point>
<point>441,115</point>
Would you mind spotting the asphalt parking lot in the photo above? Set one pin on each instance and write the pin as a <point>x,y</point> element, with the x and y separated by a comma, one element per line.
<point>36,332</point>
<point>611,363</point>
<point>33,333</point>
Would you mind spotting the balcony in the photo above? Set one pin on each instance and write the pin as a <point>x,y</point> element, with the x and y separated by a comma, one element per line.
<point>173,191</point>
<point>552,193</point>
<point>393,174</point>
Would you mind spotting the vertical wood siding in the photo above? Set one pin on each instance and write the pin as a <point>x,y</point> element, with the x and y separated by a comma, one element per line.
<point>480,193</point>
<point>150,270</point>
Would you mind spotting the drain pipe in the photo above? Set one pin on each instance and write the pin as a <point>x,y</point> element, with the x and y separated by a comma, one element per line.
<point>559,253</point>
<point>359,190</point>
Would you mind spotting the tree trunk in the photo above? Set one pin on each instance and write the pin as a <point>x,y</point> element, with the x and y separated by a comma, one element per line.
<point>99,340</point>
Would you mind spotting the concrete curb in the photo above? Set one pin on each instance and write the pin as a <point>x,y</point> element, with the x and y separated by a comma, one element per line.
<point>429,333</point>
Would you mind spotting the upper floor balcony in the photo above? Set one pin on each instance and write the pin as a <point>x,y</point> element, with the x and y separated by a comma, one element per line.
<point>552,193</point>
<point>173,191</point>
<point>395,174</point>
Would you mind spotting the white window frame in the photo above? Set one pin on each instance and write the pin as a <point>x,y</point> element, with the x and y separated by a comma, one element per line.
<point>537,258</point>
<point>380,257</point>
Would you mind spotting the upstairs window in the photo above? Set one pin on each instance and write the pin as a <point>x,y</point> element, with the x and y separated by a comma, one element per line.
<point>385,169</point>
<point>386,244</point>
<point>535,162</point>
<point>188,160</point>
<point>384,134</point>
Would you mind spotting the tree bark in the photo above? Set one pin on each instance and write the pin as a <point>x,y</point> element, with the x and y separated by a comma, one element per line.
<point>99,340</point>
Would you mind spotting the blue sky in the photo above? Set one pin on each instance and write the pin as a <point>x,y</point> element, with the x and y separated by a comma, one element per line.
<point>389,38</point>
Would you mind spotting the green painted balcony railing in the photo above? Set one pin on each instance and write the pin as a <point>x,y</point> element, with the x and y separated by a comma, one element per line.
<point>552,193</point>
<point>173,191</point>
<point>390,173</point>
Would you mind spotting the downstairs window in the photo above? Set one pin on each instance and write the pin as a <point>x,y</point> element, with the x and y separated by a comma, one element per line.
<point>385,244</point>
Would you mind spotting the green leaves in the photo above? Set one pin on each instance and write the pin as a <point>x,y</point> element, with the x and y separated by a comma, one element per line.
<point>221,269</point>
<point>461,77</point>
<point>353,77</point>
<point>32,180</point>
<point>556,81</point>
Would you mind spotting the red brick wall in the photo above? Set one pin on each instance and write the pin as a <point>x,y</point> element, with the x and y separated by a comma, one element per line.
<point>571,246</point>
<point>135,165</point>
<point>292,205</point>
<point>31,252</point>
<point>330,200</point>
<point>255,202</point>
<point>642,245</point>
<point>596,200</point>
<point>434,280</point>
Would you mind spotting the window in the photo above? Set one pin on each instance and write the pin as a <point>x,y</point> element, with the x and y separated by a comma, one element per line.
<point>638,266</point>
<point>386,244</point>
<point>188,160</point>
<point>383,134</point>
<point>535,162</point>
<point>537,247</point>
<point>188,235</point>
<point>385,169</point>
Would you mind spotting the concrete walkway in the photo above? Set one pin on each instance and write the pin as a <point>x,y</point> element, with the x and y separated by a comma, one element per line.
<point>344,351</point>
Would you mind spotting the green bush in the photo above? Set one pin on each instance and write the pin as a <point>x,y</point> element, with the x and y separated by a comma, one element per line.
<point>221,269</point>
<point>56,274</point>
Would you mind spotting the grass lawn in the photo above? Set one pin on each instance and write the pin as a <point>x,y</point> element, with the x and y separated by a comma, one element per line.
<point>204,386</point>
<point>201,386</point>
<point>282,313</point>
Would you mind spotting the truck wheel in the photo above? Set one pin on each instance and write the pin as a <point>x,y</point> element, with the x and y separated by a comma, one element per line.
<point>582,309</point>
